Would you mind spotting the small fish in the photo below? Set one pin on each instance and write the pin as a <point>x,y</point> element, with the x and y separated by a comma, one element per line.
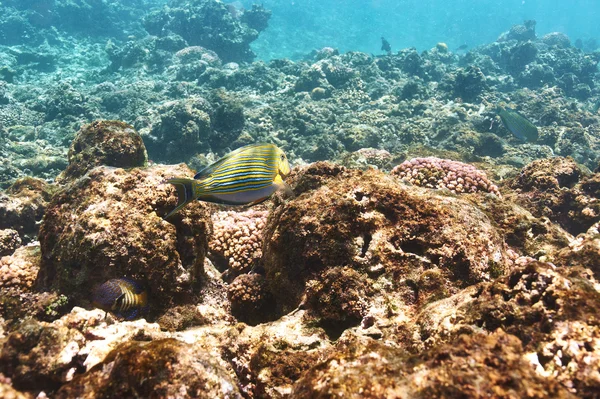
<point>246,176</point>
<point>518,125</point>
<point>462,47</point>
<point>385,46</point>
<point>124,297</point>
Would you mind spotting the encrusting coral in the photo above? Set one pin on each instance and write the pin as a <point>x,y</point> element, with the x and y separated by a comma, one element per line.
<point>455,176</point>
<point>251,301</point>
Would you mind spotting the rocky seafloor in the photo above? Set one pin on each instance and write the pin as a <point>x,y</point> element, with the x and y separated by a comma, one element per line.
<point>425,252</point>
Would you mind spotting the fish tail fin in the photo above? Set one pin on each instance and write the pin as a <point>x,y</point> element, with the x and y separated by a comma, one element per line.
<point>185,193</point>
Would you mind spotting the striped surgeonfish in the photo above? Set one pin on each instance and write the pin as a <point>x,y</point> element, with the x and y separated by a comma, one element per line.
<point>124,297</point>
<point>518,125</point>
<point>246,176</point>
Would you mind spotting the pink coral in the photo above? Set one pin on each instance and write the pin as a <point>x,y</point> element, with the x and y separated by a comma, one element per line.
<point>238,237</point>
<point>439,173</point>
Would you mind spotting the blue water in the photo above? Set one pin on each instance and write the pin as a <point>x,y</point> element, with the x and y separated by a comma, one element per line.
<point>298,26</point>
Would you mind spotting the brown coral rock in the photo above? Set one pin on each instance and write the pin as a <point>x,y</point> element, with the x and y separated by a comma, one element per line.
<point>110,143</point>
<point>23,206</point>
<point>159,369</point>
<point>8,392</point>
<point>338,298</point>
<point>19,299</point>
<point>583,251</point>
<point>40,356</point>
<point>251,302</point>
<point>370,222</point>
<point>559,189</point>
<point>270,357</point>
<point>109,224</point>
<point>9,241</point>
<point>479,366</point>
<point>553,311</point>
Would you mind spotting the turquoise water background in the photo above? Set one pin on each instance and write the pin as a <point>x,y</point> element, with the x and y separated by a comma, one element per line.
<point>299,26</point>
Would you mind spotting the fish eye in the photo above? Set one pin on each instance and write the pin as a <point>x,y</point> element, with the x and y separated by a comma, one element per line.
<point>282,157</point>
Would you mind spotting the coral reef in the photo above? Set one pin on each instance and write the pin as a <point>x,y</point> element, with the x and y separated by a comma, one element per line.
<point>424,279</point>
<point>110,143</point>
<point>366,221</point>
<point>9,241</point>
<point>87,237</point>
<point>237,239</point>
<point>161,368</point>
<point>438,173</point>
<point>561,190</point>
<point>208,23</point>
<point>23,205</point>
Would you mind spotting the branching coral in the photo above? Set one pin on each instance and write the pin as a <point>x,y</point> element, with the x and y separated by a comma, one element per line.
<point>439,173</point>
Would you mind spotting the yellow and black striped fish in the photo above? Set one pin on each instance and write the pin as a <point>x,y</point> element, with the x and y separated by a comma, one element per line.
<point>246,176</point>
<point>124,297</point>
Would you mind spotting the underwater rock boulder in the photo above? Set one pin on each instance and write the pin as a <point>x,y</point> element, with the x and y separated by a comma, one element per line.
<point>191,62</point>
<point>584,251</point>
<point>337,299</point>
<point>182,129</point>
<point>558,39</point>
<point>8,392</point>
<point>23,205</point>
<point>269,358</point>
<point>40,356</point>
<point>561,190</point>
<point>110,143</point>
<point>251,301</point>
<point>19,298</point>
<point>551,310</point>
<point>228,119</point>
<point>471,367</point>
<point>469,83</point>
<point>108,224</point>
<point>372,223</point>
<point>521,33</point>
<point>161,368</point>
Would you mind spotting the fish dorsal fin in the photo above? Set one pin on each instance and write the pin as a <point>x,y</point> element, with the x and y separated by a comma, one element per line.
<point>213,166</point>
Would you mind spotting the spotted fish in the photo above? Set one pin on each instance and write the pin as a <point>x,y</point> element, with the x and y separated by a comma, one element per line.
<point>124,297</point>
<point>246,176</point>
